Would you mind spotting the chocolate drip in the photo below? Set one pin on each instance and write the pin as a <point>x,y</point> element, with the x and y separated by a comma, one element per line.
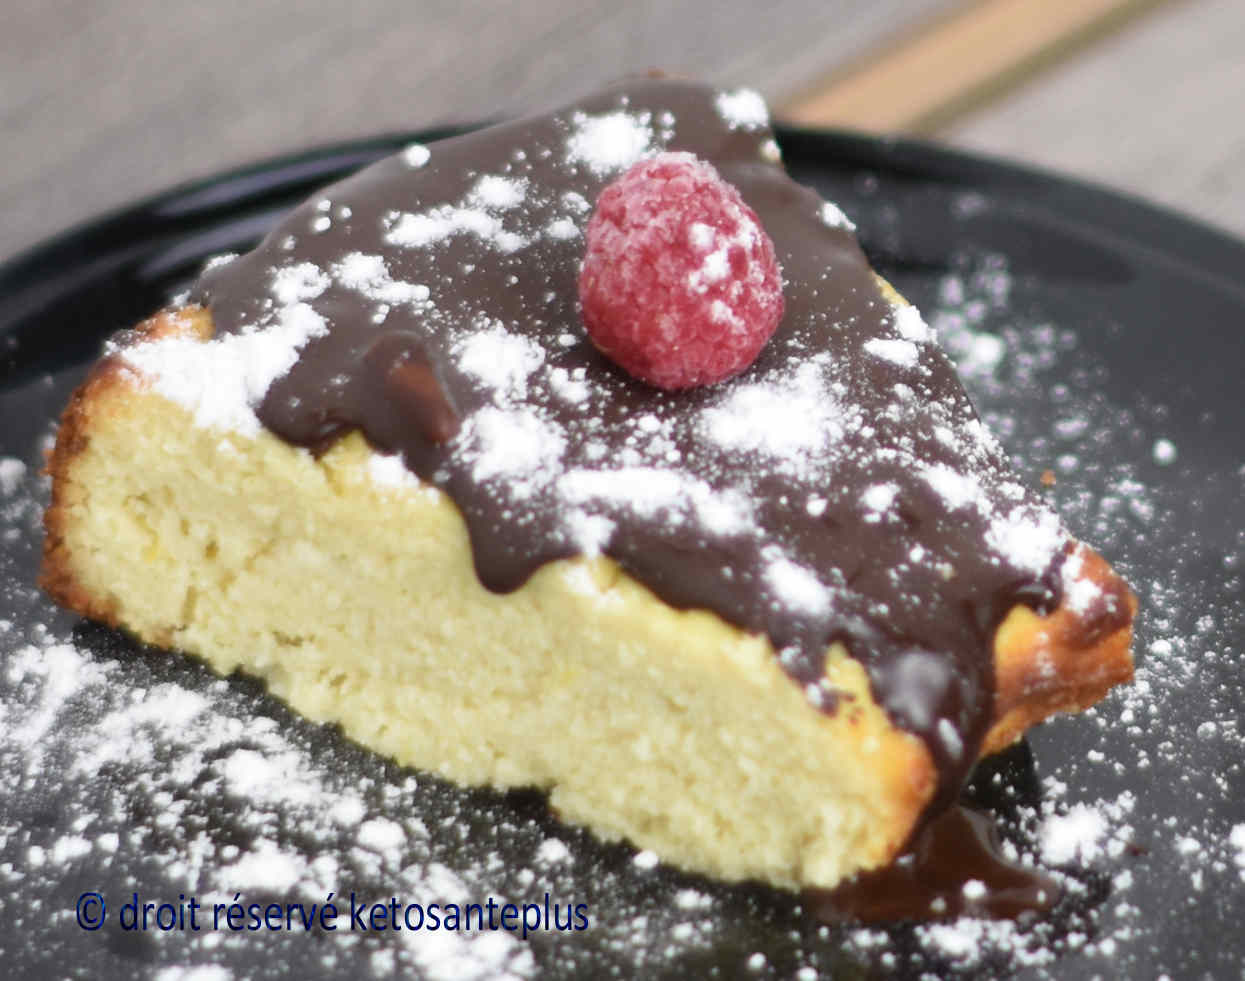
<point>410,384</point>
<point>914,593</point>
<point>954,868</point>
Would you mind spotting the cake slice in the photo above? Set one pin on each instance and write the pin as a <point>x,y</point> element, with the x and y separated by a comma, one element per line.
<point>762,627</point>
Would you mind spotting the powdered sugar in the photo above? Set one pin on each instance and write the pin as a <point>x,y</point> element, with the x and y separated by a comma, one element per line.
<point>501,360</point>
<point>498,193</point>
<point>1237,840</point>
<point>957,490</point>
<point>200,972</point>
<point>898,352</point>
<point>645,860</point>
<point>369,275</point>
<point>158,742</point>
<point>788,422</point>
<point>796,587</point>
<point>1029,537</point>
<point>1074,836</point>
<point>1164,452</point>
<point>877,500</point>
<point>833,216</point>
<point>416,155</point>
<point>296,283</point>
<point>388,470</point>
<point>562,229</point>
<point>12,471</point>
<point>649,491</point>
<point>553,851</point>
<point>610,142</point>
<point>221,381</point>
<point>418,230</point>
<point>1080,592</point>
<point>381,835</point>
<point>743,109</point>
<point>911,325</point>
<point>517,445</point>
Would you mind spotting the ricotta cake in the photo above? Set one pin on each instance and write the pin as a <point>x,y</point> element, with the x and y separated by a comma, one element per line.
<point>763,627</point>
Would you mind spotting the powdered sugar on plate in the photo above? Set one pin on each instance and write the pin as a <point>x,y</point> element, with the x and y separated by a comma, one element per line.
<point>238,802</point>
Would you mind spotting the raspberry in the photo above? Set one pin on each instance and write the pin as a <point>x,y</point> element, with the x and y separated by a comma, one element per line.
<point>679,283</point>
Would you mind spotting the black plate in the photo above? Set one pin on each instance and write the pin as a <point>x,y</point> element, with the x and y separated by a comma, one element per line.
<point>1122,327</point>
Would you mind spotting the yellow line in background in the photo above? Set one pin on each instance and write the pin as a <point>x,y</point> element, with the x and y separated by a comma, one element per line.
<point>923,80</point>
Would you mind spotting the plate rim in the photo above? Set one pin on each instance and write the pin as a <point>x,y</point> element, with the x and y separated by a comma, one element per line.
<point>1125,214</point>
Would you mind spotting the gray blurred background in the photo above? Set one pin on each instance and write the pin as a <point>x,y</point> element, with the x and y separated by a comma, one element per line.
<point>103,102</point>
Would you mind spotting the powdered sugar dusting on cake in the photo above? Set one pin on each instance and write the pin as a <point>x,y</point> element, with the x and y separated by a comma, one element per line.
<point>221,381</point>
<point>797,587</point>
<point>911,325</point>
<point>791,421</point>
<point>899,352</point>
<point>743,109</point>
<point>1028,536</point>
<point>957,490</point>
<point>1080,592</point>
<point>416,155</point>
<point>482,213</point>
<point>562,228</point>
<point>589,533</point>
<point>369,275</point>
<point>611,142</point>
<point>878,501</point>
<point>301,281</point>
<point>832,215</point>
<point>388,470</point>
<point>518,448</point>
<point>419,230</point>
<point>501,360</point>
<point>653,491</point>
<point>498,193</point>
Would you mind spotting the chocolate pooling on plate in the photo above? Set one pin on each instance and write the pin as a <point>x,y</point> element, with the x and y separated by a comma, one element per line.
<point>953,867</point>
<point>840,489</point>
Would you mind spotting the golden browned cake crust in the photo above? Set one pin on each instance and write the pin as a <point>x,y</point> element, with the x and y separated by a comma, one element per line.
<point>1064,661</point>
<point>56,573</point>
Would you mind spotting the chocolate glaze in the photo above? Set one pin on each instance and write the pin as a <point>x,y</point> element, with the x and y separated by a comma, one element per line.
<point>914,593</point>
<point>928,882</point>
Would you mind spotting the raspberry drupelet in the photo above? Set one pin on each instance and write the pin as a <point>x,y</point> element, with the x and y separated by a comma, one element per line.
<point>679,283</point>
